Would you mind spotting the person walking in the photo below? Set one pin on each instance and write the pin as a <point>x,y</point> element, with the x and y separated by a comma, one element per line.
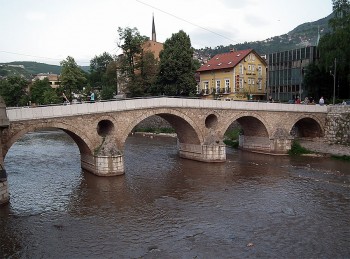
<point>92,97</point>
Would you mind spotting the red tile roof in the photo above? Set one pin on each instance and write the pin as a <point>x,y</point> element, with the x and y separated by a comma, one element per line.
<point>225,60</point>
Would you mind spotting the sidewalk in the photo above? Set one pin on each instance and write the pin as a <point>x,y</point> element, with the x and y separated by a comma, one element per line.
<point>324,148</point>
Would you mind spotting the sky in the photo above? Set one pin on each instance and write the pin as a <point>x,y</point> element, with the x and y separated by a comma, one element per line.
<point>48,31</point>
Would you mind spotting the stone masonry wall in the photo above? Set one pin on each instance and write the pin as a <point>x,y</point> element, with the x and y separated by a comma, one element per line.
<point>4,193</point>
<point>337,128</point>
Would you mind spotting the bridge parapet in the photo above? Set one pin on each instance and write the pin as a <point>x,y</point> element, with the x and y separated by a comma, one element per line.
<point>31,113</point>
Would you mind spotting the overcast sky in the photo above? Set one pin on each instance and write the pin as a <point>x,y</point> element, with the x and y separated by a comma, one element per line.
<point>50,30</point>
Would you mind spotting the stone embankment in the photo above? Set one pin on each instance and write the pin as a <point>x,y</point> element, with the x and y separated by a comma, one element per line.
<point>325,148</point>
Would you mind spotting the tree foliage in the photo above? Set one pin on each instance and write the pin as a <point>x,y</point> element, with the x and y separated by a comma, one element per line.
<point>98,68</point>
<point>73,78</point>
<point>103,75</point>
<point>335,46</point>
<point>41,92</point>
<point>130,41</point>
<point>13,91</point>
<point>177,67</point>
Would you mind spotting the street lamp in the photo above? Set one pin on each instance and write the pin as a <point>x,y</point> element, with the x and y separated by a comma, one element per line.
<point>334,75</point>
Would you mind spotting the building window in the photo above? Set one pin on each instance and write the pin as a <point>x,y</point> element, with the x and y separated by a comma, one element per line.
<point>227,86</point>
<point>206,87</point>
<point>260,70</point>
<point>241,82</point>
<point>217,86</point>
<point>259,85</point>
<point>249,81</point>
<point>249,68</point>
<point>241,69</point>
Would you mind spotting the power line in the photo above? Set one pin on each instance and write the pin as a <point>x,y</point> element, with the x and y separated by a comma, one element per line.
<point>179,18</point>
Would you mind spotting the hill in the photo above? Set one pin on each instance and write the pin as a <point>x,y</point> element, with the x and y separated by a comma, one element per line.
<point>8,70</point>
<point>29,68</point>
<point>305,34</point>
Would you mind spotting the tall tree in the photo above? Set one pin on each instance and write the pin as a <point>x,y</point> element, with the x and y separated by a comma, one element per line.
<point>98,68</point>
<point>72,77</point>
<point>14,91</point>
<point>130,41</point>
<point>334,47</point>
<point>177,67</point>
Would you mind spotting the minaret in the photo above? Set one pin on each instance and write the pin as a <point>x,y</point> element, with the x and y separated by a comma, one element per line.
<point>154,38</point>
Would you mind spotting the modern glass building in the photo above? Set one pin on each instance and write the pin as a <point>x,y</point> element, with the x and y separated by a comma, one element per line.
<point>286,71</point>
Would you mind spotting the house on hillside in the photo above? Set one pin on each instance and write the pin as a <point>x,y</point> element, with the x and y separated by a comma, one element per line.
<point>54,79</point>
<point>236,75</point>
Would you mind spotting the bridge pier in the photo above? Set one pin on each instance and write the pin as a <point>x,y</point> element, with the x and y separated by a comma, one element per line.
<point>203,153</point>
<point>103,165</point>
<point>274,146</point>
<point>4,191</point>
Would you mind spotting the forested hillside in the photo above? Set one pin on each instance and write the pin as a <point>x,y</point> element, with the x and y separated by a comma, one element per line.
<point>27,69</point>
<point>304,35</point>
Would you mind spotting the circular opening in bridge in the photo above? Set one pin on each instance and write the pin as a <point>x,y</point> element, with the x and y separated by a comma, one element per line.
<point>211,121</point>
<point>104,128</point>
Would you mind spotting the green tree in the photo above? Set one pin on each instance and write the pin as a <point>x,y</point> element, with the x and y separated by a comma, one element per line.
<point>98,68</point>
<point>130,41</point>
<point>73,78</point>
<point>335,46</point>
<point>41,92</point>
<point>317,82</point>
<point>130,63</point>
<point>177,67</point>
<point>109,79</point>
<point>149,72</point>
<point>13,91</point>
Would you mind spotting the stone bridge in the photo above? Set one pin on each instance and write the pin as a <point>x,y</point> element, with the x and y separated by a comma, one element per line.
<point>100,129</point>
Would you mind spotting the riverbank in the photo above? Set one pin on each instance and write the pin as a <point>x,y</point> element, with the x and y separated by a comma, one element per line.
<point>321,147</point>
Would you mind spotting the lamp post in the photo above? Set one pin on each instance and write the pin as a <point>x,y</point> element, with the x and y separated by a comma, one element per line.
<point>334,77</point>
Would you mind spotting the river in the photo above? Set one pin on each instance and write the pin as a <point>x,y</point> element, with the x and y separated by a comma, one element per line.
<point>252,206</point>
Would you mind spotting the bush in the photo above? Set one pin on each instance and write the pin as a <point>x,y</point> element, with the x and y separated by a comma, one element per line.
<point>297,149</point>
<point>231,138</point>
<point>343,157</point>
<point>155,130</point>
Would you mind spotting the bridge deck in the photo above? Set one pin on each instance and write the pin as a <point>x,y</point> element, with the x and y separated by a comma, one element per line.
<point>54,111</point>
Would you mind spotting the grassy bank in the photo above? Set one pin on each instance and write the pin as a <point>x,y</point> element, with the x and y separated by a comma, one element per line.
<point>231,138</point>
<point>297,149</point>
<point>343,157</point>
<point>155,130</point>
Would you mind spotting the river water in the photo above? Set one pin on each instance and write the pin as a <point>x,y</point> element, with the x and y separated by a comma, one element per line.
<point>252,206</point>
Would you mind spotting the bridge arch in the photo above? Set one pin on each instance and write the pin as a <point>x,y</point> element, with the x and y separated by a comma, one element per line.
<point>306,127</point>
<point>252,124</point>
<point>186,129</point>
<point>83,142</point>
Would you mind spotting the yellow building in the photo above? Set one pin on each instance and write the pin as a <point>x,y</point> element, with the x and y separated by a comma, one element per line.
<point>236,75</point>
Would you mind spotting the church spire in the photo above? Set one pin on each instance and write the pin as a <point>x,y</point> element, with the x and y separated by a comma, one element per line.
<point>154,38</point>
